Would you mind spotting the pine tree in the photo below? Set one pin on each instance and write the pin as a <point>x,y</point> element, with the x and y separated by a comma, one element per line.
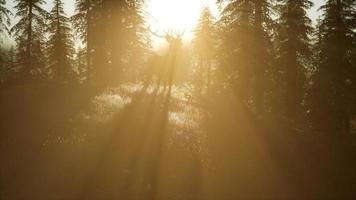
<point>119,38</point>
<point>84,23</point>
<point>11,64</point>
<point>294,50</point>
<point>114,34</point>
<point>60,43</point>
<point>204,45</point>
<point>7,64</point>
<point>4,17</point>
<point>261,52</point>
<point>245,28</point>
<point>331,92</point>
<point>80,65</point>
<point>138,41</point>
<point>3,66</point>
<point>28,31</point>
<point>235,29</point>
<point>124,25</point>
<point>115,15</point>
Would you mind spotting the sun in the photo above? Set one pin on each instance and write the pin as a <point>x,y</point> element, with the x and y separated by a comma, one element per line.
<point>180,15</point>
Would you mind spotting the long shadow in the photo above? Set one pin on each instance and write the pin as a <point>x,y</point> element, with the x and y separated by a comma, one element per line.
<point>136,137</point>
<point>159,131</point>
<point>159,160</point>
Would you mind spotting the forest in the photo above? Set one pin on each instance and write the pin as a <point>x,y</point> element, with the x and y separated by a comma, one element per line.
<point>259,103</point>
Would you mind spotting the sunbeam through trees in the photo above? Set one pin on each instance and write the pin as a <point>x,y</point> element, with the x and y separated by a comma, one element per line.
<point>177,99</point>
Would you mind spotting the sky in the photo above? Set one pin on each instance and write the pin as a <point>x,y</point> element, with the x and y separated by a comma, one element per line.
<point>162,15</point>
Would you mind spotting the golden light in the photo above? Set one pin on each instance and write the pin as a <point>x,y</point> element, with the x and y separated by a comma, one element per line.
<point>180,15</point>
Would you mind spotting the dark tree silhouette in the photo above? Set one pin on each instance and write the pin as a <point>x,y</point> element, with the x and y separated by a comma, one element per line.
<point>261,52</point>
<point>204,46</point>
<point>125,35</point>
<point>115,36</point>
<point>234,51</point>
<point>331,90</point>
<point>245,44</point>
<point>3,66</point>
<point>138,41</point>
<point>294,52</point>
<point>84,22</point>
<point>60,44</point>
<point>28,32</point>
<point>4,17</point>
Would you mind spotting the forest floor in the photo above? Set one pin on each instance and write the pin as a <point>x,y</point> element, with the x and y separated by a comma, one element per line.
<point>134,142</point>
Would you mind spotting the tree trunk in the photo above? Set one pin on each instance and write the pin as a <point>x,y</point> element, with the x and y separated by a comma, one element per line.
<point>260,60</point>
<point>29,39</point>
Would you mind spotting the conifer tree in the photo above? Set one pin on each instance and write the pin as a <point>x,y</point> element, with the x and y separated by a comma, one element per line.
<point>294,36</point>
<point>114,34</point>
<point>3,66</point>
<point>138,42</point>
<point>204,45</point>
<point>125,35</point>
<point>331,91</point>
<point>245,28</point>
<point>235,29</point>
<point>60,43</point>
<point>28,31</point>
<point>80,65</point>
<point>4,17</point>
<point>261,52</point>
<point>84,22</point>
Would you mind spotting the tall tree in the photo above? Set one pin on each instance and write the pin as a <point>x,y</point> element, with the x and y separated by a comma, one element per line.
<point>3,66</point>
<point>331,92</point>
<point>294,51</point>
<point>115,15</point>
<point>234,49</point>
<point>204,45</point>
<point>261,52</point>
<point>125,34</point>
<point>28,29</point>
<point>138,40</point>
<point>4,17</point>
<point>60,43</point>
<point>245,30</point>
<point>84,22</point>
<point>114,34</point>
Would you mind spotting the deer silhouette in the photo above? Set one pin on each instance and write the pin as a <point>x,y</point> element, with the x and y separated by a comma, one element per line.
<point>162,68</point>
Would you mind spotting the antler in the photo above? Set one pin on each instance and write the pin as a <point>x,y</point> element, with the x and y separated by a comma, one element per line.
<point>170,35</point>
<point>178,34</point>
<point>156,34</point>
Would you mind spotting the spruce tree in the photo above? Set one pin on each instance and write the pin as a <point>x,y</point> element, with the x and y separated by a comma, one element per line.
<point>261,52</point>
<point>294,51</point>
<point>331,91</point>
<point>246,49</point>
<point>138,41</point>
<point>123,24</point>
<point>28,31</point>
<point>84,22</point>
<point>235,36</point>
<point>4,17</point>
<point>3,66</point>
<point>80,65</point>
<point>60,43</point>
<point>204,46</point>
<point>114,34</point>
